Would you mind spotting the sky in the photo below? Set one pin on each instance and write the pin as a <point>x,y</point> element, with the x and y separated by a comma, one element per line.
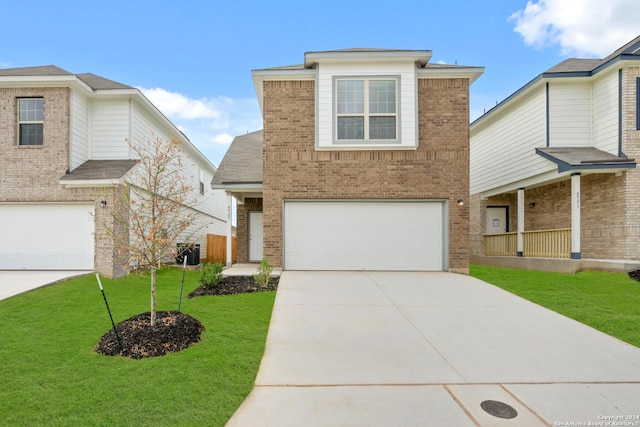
<point>193,59</point>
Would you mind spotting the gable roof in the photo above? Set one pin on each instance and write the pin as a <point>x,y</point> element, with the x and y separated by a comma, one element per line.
<point>242,163</point>
<point>575,67</point>
<point>94,81</point>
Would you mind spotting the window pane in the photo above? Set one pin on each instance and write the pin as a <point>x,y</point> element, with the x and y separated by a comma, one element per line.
<point>350,127</point>
<point>31,134</point>
<point>382,128</point>
<point>30,110</point>
<point>350,94</point>
<point>382,96</point>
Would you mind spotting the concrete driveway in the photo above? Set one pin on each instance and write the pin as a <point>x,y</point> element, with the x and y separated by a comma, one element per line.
<point>432,349</point>
<point>14,282</point>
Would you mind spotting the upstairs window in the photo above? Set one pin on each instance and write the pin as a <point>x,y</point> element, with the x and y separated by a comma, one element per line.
<point>366,109</point>
<point>201,182</point>
<point>30,121</point>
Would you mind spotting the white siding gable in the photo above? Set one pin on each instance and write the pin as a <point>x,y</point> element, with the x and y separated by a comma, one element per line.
<point>109,129</point>
<point>605,113</point>
<point>503,146</point>
<point>79,143</point>
<point>569,114</point>
<point>407,108</point>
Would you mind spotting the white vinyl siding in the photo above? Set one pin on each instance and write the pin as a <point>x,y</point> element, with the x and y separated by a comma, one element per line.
<point>79,145</point>
<point>404,73</point>
<point>605,113</point>
<point>503,146</point>
<point>569,114</point>
<point>364,235</point>
<point>110,129</point>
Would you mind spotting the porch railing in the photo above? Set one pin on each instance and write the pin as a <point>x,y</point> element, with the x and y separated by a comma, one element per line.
<point>503,244</point>
<point>539,243</point>
<point>547,243</point>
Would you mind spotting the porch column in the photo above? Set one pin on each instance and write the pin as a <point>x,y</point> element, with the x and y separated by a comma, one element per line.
<point>229,231</point>
<point>520,221</point>
<point>575,216</point>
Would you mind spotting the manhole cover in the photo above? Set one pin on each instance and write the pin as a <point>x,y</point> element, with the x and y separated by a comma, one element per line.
<point>498,409</point>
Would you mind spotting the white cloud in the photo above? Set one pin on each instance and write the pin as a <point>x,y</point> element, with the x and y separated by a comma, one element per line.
<point>210,123</point>
<point>579,27</point>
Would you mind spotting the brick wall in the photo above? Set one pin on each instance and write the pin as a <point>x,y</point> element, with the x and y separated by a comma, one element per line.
<point>438,169</point>
<point>31,173</point>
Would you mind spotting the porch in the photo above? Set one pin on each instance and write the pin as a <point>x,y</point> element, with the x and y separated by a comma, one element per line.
<point>546,250</point>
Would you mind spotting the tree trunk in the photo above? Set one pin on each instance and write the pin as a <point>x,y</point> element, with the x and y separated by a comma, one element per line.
<point>153,295</point>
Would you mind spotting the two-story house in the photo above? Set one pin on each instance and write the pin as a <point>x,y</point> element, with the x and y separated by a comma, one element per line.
<point>362,164</point>
<point>65,154</point>
<point>553,168</point>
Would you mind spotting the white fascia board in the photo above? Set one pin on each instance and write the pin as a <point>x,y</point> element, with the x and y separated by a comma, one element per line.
<point>248,187</point>
<point>472,73</point>
<point>81,183</point>
<point>260,76</point>
<point>422,57</point>
<point>70,81</point>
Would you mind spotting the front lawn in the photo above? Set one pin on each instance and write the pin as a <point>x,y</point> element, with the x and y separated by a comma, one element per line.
<point>609,302</point>
<point>50,375</point>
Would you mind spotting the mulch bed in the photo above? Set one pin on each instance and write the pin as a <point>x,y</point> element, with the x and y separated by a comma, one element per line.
<point>174,331</point>
<point>635,275</point>
<point>235,285</point>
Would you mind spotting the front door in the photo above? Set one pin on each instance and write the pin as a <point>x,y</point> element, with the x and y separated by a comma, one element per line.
<point>255,236</point>
<point>497,220</point>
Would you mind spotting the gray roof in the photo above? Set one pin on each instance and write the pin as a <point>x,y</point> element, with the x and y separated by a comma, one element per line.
<point>630,50</point>
<point>242,164</point>
<point>44,70</point>
<point>100,169</point>
<point>99,83</point>
<point>584,158</point>
<point>93,81</point>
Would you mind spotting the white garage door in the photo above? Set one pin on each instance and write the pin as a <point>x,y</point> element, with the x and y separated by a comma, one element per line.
<point>364,235</point>
<point>46,236</point>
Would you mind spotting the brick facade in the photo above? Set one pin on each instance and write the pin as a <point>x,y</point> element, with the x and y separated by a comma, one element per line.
<point>31,173</point>
<point>437,169</point>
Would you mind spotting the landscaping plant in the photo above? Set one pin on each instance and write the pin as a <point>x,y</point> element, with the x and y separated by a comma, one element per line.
<point>263,274</point>
<point>211,274</point>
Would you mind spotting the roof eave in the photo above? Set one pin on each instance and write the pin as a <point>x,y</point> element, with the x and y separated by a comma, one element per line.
<point>472,73</point>
<point>84,183</point>
<point>604,166</point>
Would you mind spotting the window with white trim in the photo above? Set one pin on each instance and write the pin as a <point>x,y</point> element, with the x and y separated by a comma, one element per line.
<point>30,121</point>
<point>366,109</point>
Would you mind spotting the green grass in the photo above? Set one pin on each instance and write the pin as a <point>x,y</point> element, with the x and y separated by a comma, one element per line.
<point>50,375</point>
<point>609,302</point>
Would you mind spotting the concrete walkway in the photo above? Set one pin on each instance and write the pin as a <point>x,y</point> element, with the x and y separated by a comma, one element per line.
<point>430,349</point>
<point>14,282</point>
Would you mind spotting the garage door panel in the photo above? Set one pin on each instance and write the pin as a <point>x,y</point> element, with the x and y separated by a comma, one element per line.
<point>367,235</point>
<point>46,236</point>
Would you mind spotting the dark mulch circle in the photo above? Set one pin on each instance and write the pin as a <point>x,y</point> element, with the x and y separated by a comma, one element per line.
<point>635,275</point>
<point>235,285</point>
<point>173,331</point>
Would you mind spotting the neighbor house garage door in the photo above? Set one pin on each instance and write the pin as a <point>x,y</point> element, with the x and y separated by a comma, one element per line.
<point>44,236</point>
<point>364,235</point>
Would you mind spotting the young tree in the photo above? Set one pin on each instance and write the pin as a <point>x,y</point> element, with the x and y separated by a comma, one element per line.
<point>154,208</point>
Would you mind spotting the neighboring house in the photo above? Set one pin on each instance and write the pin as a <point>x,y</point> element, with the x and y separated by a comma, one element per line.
<point>363,164</point>
<point>65,154</point>
<point>553,167</point>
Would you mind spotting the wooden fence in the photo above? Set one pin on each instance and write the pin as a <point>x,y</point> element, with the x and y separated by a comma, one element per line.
<point>217,248</point>
<point>540,243</point>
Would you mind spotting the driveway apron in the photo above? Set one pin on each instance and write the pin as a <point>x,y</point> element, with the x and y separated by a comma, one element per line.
<point>430,348</point>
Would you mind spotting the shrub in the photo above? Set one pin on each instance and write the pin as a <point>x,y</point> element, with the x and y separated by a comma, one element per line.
<point>211,274</point>
<point>263,274</point>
